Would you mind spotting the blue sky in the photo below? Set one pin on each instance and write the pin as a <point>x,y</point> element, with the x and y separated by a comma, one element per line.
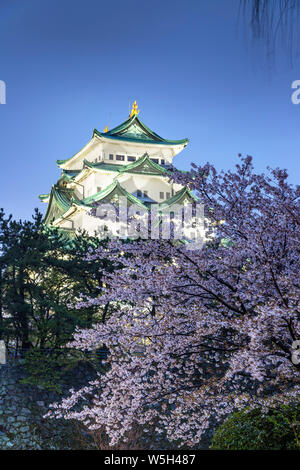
<point>71,66</point>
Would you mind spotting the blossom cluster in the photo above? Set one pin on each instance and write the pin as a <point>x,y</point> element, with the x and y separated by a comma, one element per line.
<point>195,335</point>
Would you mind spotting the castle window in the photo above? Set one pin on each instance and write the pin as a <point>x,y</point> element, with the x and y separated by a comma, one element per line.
<point>155,160</point>
<point>98,189</point>
<point>139,193</point>
<point>145,193</point>
<point>131,159</point>
<point>168,195</point>
<point>120,158</point>
<point>162,162</point>
<point>162,195</point>
<point>111,157</point>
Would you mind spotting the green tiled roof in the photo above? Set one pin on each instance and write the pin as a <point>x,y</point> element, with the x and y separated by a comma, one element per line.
<point>59,199</point>
<point>102,166</point>
<point>69,174</point>
<point>42,197</point>
<point>143,165</point>
<point>62,197</point>
<point>106,192</point>
<point>134,130</point>
<point>178,198</point>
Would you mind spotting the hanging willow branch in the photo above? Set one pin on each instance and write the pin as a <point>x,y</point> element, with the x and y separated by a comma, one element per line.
<point>273,22</point>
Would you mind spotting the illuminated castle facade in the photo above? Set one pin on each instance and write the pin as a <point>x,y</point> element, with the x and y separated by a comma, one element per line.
<point>129,161</point>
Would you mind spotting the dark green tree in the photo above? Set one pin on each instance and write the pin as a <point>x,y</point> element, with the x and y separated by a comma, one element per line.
<point>42,272</point>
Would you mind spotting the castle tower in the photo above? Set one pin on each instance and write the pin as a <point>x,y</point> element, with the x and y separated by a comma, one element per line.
<point>129,160</point>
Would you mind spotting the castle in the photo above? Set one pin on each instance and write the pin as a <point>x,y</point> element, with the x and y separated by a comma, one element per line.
<point>129,161</point>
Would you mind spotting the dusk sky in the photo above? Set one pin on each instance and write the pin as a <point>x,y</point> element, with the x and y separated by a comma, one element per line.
<point>71,66</point>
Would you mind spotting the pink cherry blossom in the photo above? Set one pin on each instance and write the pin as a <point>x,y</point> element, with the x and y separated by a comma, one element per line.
<point>195,335</point>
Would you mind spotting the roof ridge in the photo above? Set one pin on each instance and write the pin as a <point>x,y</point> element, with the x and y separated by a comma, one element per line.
<point>116,133</point>
<point>172,200</point>
<point>140,161</point>
<point>109,189</point>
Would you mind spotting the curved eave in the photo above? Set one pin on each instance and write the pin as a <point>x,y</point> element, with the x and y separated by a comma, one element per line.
<point>97,166</point>
<point>63,202</point>
<point>125,125</point>
<point>170,143</point>
<point>74,207</point>
<point>49,206</point>
<point>88,169</point>
<point>116,131</point>
<point>131,121</point>
<point>98,197</point>
<point>177,198</point>
<point>64,163</point>
<point>69,175</point>
<point>130,168</point>
<point>140,162</point>
<point>44,197</point>
<point>115,134</point>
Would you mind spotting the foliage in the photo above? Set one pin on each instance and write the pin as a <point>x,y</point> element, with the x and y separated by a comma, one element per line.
<point>46,368</point>
<point>278,429</point>
<point>41,275</point>
<point>198,334</point>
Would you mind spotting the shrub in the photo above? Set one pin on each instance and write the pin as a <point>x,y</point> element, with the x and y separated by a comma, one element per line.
<point>251,430</point>
<point>47,368</point>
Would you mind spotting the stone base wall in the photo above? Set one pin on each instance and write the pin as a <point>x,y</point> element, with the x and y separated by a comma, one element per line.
<point>22,407</point>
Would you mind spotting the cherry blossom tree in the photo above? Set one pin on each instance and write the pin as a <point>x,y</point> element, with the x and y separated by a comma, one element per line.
<point>196,334</point>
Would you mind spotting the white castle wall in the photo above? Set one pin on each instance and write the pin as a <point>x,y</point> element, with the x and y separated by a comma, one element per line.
<point>97,151</point>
